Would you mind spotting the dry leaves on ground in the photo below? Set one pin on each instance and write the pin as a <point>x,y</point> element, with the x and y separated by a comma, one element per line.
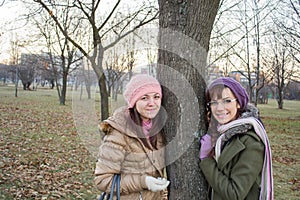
<point>42,157</point>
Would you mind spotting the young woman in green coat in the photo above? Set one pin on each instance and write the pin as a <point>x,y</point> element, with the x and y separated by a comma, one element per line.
<point>235,153</point>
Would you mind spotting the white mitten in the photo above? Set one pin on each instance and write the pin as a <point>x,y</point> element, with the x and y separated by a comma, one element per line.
<point>156,184</point>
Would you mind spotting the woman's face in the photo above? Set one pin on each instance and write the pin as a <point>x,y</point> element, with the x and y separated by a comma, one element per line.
<point>148,105</point>
<point>225,109</point>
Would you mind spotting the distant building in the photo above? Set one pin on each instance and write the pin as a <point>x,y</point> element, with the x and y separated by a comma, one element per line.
<point>149,69</point>
<point>238,75</point>
<point>213,72</point>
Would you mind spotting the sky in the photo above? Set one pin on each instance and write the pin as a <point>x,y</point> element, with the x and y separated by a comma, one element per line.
<point>7,10</point>
<point>12,9</point>
<point>8,13</point>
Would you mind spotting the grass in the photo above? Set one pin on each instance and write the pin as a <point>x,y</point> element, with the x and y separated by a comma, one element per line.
<point>48,150</point>
<point>283,128</point>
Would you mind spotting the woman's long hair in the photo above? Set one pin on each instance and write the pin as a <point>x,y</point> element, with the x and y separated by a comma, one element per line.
<point>158,122</point>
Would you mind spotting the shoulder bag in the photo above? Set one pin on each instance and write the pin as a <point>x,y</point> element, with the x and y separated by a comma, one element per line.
<point>115,182</point>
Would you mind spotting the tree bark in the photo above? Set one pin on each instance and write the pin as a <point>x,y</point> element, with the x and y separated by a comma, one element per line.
<point>64,88</point>
<point>185,28</point>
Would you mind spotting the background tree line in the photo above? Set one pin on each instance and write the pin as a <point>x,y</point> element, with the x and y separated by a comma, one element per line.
<point>252,37</point>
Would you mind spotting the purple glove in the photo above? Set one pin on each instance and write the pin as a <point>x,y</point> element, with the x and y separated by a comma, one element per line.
<point>205,146</point>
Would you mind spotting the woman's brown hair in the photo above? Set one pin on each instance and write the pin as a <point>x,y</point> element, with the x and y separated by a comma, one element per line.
<point>158,122</point>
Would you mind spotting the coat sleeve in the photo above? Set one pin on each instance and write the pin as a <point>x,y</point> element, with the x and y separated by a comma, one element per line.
<point>237,183</point>
<point>110,157</point>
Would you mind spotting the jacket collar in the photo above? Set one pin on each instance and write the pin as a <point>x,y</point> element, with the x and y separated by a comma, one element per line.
<point>119,122</point>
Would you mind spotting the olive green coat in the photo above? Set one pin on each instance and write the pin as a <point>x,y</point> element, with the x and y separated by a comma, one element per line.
<point>237,174</point>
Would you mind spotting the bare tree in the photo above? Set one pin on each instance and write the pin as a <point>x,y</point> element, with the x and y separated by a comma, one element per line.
<point>280,67</point>
<point>114,71</point>
<point>2,2</point>
<point>58,44</point>
<point>14,60</point>
<point>185,29</point>
<point>27,69</point>
<point>237,40</point>
<point>85,76</point>
<point>112,23</point>
<point>120,63</point>
<point>288,22</point>
<point>1,40</point>
<point>5,73</point>
<point>283,56</point>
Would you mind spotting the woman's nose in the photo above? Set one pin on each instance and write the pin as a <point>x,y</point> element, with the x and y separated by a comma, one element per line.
<point>151,101</point>
<point>220,106</point>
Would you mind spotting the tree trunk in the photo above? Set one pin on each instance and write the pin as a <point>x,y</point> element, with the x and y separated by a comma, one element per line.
<point>185,28</point>
<point>88,89</point>
<point>102,83</point>
<point>98,69</point>
<point>104,98</point>
<point>17,83</point>
<point>64,89</point>
<point>52,84</point>
<point>280,98</point>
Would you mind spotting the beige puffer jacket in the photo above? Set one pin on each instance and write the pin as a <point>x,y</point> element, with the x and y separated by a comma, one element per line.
<point>123,152</point>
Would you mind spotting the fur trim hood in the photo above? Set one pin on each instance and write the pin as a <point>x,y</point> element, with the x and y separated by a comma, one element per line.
<point>118,122</point>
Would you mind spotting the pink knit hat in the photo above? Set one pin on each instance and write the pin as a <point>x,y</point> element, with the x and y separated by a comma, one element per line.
<point>140,85</point>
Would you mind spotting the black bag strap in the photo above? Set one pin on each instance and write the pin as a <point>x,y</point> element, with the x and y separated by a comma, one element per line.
<point>102,196</point>
<point>115,182</point>
<point>118,186</point>
<point>111,194</point>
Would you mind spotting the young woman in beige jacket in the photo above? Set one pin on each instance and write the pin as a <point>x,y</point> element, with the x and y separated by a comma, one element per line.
<point>133,146</point>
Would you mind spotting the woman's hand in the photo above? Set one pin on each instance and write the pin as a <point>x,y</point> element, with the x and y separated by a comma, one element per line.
<point>156,184</point>
<point>206,147</point>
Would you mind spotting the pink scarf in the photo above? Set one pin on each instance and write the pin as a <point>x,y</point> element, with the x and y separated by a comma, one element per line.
<point>146,128</point>
<point>266,192</point>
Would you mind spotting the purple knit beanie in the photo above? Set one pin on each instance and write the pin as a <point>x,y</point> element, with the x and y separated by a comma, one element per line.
<point>138,86</point>
<point>237,89</point>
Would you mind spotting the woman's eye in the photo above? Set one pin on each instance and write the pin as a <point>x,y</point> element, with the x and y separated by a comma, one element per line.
<point>213,103</point>
<point>157,97</point>
<point>227,100</point>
